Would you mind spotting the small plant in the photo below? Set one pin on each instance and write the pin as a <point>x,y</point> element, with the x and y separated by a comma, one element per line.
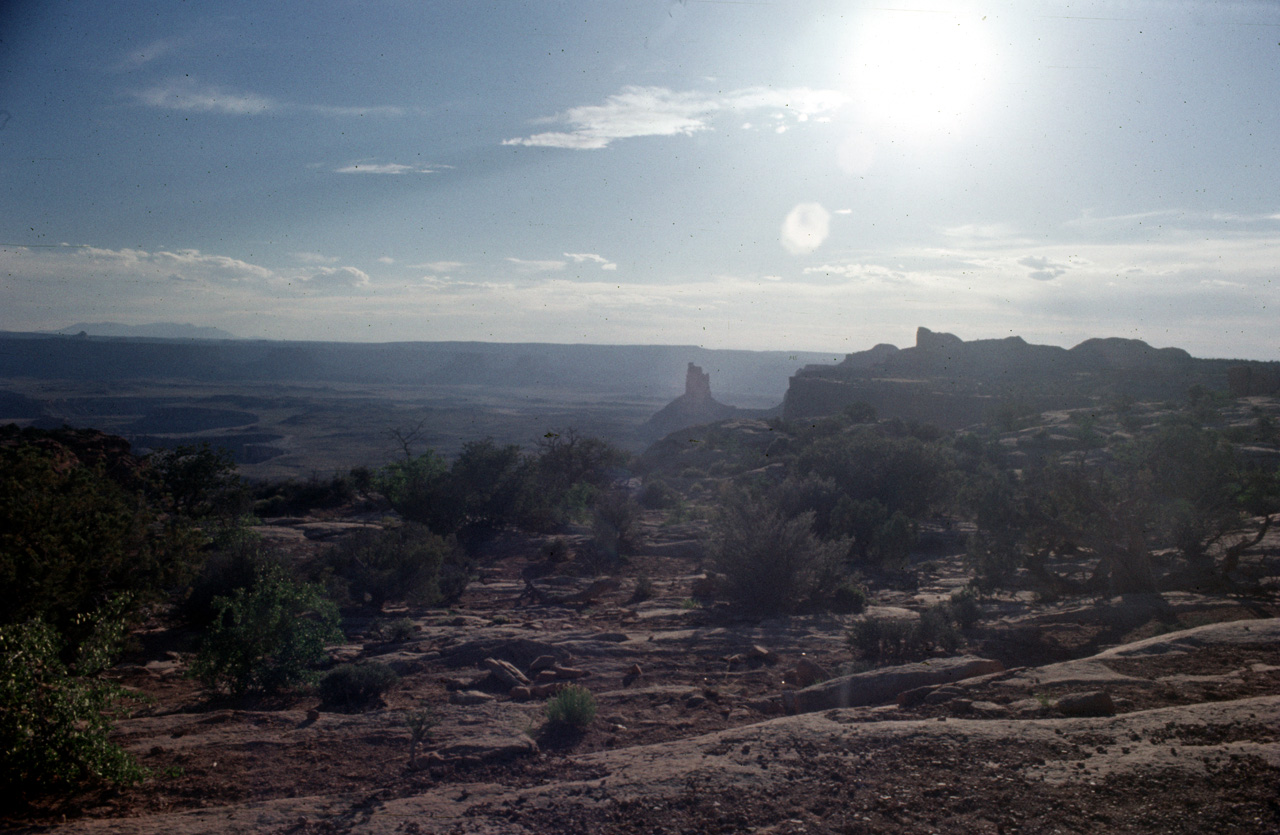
<point>965,608</point>
<point>849,599</point>
<point>421,724</point>
<point>893,640</point>
<point>174,772</point>
<point>356,686</point>
<point>689,604</point>
<point>644,589</point>
<point>573,706</point>
<point>400,629</point>
<point>554,550</point>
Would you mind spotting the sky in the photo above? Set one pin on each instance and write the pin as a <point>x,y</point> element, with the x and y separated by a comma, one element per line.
<point>791,175</point>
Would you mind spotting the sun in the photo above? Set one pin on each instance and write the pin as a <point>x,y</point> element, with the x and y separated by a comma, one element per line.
<point>920,73</point>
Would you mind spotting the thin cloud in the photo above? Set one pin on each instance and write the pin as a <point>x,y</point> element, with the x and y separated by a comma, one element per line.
<point>314,258</point>
<point>438,266</point>
<point>538,266</point>
<point>392,168</point>
<point>1043,269</point>
<point>338,279</point>
<point>202,98</point>
<point>658,111</point>
<point>581,257</point>
<point>144,55</point>
<point>185,94</point>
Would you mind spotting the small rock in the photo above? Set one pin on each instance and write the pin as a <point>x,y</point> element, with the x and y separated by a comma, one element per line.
<point>943,694</point>
<point>521,694</point>
<point>569,673</point>
<point>635,670</point>
<point>313,714</point>
<point>542,662</point>
<point>1093,703</point>
<point>764,654</point>
<point>695,700</point>
<point>544,676</point>
<point>469,697</point>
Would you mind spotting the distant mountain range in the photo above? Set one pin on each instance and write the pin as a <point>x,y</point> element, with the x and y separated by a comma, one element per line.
<point>753,379</point>
<point>155,330</point>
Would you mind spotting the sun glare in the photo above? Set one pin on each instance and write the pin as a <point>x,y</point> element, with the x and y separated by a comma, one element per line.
<point>920,74</point>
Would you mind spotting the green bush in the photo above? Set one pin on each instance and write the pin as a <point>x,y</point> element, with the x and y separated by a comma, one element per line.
<point>848,598</point>
<point>235,563</point>
<point>267,637</point>
<point>407,563</point>
<point>574,706</point>
<point>772,563</point>
<point>355,686</point>
<point>896,640</point>
<point>965,608</point>
<point>55,721</point>
<point>400,629</point>
<point>72,535</point>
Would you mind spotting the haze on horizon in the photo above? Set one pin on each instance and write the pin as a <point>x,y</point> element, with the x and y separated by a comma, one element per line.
<point>800,176</point>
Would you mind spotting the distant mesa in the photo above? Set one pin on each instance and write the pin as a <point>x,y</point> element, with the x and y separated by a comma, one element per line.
<point>155,330</point>
<point>951,383</point>
<point>693,408</point>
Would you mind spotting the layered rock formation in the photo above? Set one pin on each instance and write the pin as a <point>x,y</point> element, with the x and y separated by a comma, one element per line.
<point>952,383</point>
<point>696,406</point>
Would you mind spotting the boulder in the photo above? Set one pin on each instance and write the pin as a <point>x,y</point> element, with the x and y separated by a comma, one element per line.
<point>883,686</point>
<point>505,673</point>
<point>469,697</point>
<point>1093,703</point>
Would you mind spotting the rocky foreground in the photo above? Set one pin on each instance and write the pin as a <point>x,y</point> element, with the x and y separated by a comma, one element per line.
<point>710,724</point>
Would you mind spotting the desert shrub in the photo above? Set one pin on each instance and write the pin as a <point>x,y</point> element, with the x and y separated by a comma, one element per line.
<point>421,725</point>
<point>235,563</point>
<point>200,481</point>
<point>897,640</point>
<point>574,706</point>
<point>965,608</point>
<point>267,637</point>
<point>554,550</point>
<point>848,598</point>
<point>936,631</point>
<point>408,563</point>
<point>772,563</point>
<point>657,494</point>
<point>400,629</point>
<point>355,686</point>
<point>614,522</point>
<point>72,536</point>
<point>644,589</point>
<point>295,497</point>
<point>55,720</point>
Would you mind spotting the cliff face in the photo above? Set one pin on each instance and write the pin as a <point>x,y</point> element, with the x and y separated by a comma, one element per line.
<point>951,383</point>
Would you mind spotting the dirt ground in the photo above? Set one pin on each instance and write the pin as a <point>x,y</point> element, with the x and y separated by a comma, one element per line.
<point>692,734</point>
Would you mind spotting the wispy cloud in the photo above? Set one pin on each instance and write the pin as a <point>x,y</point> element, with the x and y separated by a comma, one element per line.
<point>658,111</point>
<point>364,167</point>
<point>315,258</point>
<point>581,257</point>
<point>1042,269</point>
<point>337,279</point>
<point>439,266</point>
<point>187,94</point>
<point>143,55</point>
<point>181,94</point>
<point>538,266</point>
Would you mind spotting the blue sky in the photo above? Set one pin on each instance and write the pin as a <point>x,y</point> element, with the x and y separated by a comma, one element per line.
<point>798,175</point>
